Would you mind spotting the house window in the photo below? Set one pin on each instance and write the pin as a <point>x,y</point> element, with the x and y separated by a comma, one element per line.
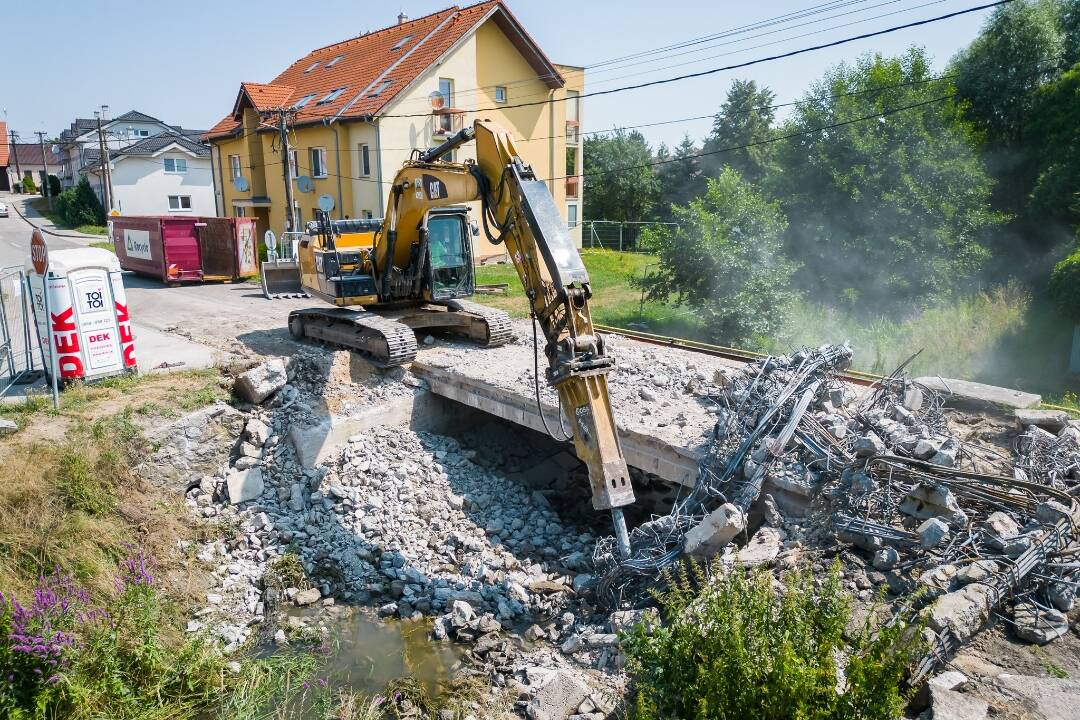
<point>571,216</point>
<point>179,202</point>
<point>365,161</point>
<point>175,165</point>
<point>318,162</point>
<point>366,214</point>
<point>446,89</point>
<point>571,161</point>
<point>331,96</point>
<point>312,66</point>
<point>135,132</point>
<point>500,94</point>
<point>335,61</point>
<point>401,43</point>
<point>239,211</point>
<point>234,167</point>
<point>305,100</point>
<point>292,164</point>
<point>573,106</point>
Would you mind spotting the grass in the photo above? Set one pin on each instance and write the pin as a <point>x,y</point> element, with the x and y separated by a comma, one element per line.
<point>41,204</point>
<point>179,391</point>
<point>103,245</point>
<point>615,300</point>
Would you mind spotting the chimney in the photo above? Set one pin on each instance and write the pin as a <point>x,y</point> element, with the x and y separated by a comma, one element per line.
<point>402,18</point>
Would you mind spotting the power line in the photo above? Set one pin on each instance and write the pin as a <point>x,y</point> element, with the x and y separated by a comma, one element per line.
<point>736,66</point>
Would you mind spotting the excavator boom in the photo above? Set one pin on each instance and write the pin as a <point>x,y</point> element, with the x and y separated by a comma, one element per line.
<point>518,210</point>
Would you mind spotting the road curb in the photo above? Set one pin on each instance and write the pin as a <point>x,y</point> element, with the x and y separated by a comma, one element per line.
<point>47,231</point>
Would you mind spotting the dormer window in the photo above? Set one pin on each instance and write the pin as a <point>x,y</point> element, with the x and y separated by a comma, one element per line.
<point>312,66</point>
<point>305,100</point>
<point>402,42</point>
<point>335,61</point>
<point>331,96</point>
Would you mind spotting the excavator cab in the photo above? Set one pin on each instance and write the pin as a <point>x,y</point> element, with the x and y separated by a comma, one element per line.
<point>450,254</point>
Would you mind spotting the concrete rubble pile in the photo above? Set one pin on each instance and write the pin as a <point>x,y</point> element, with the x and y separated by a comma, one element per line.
<point>975,528</point>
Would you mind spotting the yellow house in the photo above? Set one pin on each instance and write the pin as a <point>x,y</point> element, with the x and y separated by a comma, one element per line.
<point>355,110</point>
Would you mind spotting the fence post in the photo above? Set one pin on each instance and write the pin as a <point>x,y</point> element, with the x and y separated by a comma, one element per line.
<point>620,236</point>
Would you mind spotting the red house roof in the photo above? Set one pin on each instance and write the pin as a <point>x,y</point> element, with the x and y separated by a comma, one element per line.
<point>3,144</point>
<point>357,78</point>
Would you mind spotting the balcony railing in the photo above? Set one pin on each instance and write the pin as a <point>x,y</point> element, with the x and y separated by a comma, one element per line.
<point>573,132</point>
<point>446,121</point>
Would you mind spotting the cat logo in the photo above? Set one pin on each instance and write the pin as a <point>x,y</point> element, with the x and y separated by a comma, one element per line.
<point>435,188</point>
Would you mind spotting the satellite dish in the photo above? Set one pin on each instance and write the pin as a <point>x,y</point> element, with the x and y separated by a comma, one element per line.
<point>55,149</point>
<point>240,183</point>
<point>305,184</point>
<point>326,202</point>
<point>438,101</point>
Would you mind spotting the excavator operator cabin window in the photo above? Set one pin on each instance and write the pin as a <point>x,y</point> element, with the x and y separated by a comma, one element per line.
<point>449,256</point>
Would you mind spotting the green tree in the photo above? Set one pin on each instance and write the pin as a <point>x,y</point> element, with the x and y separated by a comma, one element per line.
<point>889,211</point>
<point>746,117</point>
<point>1070,29</point>
<point>1064,288</point>
<point>679,176</point>
<point>620,181</point>
<point>725,261</point>
<point>54,186</point>
<point>28,185</point>
<point>1018,49</point>
<point>1054,132</point>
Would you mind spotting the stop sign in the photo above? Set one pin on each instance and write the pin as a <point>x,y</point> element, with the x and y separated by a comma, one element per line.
<point>39,252</point>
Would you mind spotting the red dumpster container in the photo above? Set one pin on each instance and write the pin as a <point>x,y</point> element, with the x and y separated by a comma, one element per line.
<point>186,249</point>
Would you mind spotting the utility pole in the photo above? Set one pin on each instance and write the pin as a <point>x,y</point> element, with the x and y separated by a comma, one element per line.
<point>106,186</point>
<point>18,170</point>
<point>45,163</point>
<point>283,136</point>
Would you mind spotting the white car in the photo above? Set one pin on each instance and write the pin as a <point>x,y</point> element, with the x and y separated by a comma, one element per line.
<point>3,210</point>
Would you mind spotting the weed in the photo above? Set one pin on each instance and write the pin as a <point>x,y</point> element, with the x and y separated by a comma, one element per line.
<point>103,244</point>
<point>735,646</point>
<point>1052,668</point>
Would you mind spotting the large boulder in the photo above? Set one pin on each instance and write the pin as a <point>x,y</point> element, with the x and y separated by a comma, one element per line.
<point>558,698</point>
<point>261,381</point>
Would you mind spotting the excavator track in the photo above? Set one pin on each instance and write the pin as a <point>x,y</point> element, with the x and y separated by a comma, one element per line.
<point>383,341</point>
<point>500,328</point>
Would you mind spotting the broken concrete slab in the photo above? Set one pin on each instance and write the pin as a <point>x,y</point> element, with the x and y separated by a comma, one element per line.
<point>558,698</point>
<point>1037,625</point>
<point>979,393</point>
<point>1045,698</point>
<point>962,611</point>
<point>977,571</point>
<point>261,381</point>
<point>244,485</point>
<point>719,528</point>
<point>952,705</point>
<point>1050,420</point>
<point>7,427</point>
<point>762,549</point>
<point>933,532</point>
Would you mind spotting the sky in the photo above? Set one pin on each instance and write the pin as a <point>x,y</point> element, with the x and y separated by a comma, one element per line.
<point>183,63</point>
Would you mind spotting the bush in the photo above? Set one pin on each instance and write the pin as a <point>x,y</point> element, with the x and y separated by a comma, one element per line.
<point>79,205</point>
<point>28,185</point>
<point>733,646</point>
<point>1064,286</point>
<point>724,260</point>
<point>54,186</point>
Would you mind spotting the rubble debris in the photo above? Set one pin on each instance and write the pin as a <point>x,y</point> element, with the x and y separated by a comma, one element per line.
<point>948,704</point>
<point>261,381</point>
<point>7,427</point>
<point>558,698</point>
<point>972,526</point>
<point>1050,420</point>
<point>1037,624</point>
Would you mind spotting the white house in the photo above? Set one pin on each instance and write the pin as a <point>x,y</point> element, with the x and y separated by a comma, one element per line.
<point>156,168</point>
<point>164,174</point>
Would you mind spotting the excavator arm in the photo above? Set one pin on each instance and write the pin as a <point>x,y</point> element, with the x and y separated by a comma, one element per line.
<point>518,210</point>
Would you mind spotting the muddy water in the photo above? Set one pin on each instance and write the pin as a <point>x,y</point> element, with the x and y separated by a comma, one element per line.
<point>369,653</point>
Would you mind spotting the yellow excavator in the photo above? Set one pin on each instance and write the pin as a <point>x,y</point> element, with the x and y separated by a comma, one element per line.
<point>413,269</point>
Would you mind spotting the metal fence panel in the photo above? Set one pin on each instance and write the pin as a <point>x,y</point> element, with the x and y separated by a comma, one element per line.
<point>17,346</point>
<point>616,235</point>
